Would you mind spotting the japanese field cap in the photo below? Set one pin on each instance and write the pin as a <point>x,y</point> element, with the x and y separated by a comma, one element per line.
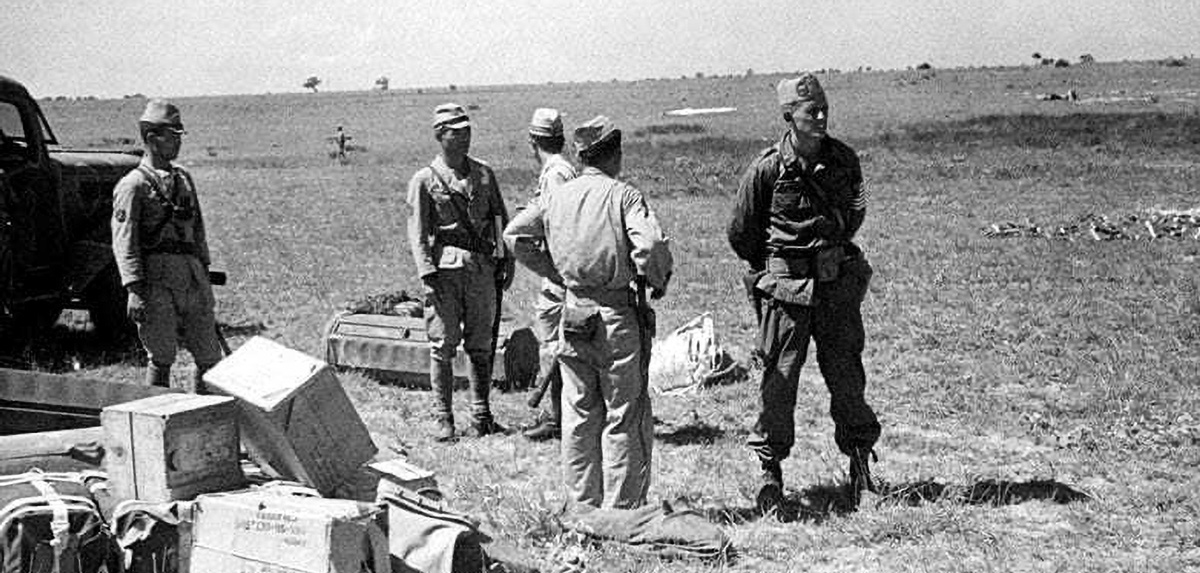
<point>794,91</point>
<point>546,122</point>
<point>450,116</point>
<point>160,112</point>
<point>595,132</point>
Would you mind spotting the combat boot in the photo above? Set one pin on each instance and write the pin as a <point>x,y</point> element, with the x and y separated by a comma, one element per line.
<point>860,473</point>
<point>441,381</point>
<point>480,377</point>
<point>158,375</point>
<point>770,493</point>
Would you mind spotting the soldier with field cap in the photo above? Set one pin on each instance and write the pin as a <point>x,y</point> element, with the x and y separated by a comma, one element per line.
<point>546,142</point>
<point>159,242</point>
<point>456,215</point>
<point>797,209</point>
<point>604,245</point>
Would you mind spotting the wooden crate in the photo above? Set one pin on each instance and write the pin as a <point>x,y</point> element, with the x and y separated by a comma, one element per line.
<point>296,419</point>
<point>171,447</point>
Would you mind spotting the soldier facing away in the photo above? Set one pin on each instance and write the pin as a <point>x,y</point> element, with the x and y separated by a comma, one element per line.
<point>605,246</point>
<point>798,207</point>
<point>159,242</point>
<point>546,142</point>
<point>455,218</point>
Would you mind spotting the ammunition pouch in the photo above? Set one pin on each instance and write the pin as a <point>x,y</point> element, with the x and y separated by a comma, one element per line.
<point>824,265</point>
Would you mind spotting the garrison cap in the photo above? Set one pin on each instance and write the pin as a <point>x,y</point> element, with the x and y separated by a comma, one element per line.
<point>160,112</point>
<point>450,116</point>
<point>595,132</point>
<point>797,90</point>
<point>546,122</point>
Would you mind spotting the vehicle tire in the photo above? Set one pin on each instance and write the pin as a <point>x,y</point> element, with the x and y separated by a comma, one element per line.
<point>105,299</point>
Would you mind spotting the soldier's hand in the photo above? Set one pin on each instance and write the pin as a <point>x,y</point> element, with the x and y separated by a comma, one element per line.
<point>658,292</point>
<point>135,306</point>
<point>428,284</point>
<point>505,272</point>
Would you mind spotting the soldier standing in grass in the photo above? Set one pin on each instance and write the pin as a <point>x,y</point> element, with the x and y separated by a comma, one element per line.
<point>159,243</point>
<point>798,207</point>
<point>546,141</point>
<point>605,246</point>
<point>456,216</point>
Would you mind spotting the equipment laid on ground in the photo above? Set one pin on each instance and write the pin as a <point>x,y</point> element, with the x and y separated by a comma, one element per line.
<point>51,522</point>
<point>399,344</point>
<point>171,447</point>
<point>295,418</point>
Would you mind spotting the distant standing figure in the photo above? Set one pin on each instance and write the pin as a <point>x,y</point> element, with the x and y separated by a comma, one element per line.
<point>340,140</point>
<point>798,207</point>
<point>546,142</point>
<point>456,216</point>
<point>605,246</point>
<point>161,250</point>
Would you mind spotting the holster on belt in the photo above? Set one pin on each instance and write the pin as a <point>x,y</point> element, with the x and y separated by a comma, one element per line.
<point>750,283</point>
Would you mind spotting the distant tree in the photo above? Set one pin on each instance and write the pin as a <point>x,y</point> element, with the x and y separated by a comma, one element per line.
<point>1037,56</point>
<point>381,83</point>
<point>749,72</point>
<point>1061,63</point>
<point>1047,61</point>
<point>1087,59</point>
<point>453,88</point>
<point>924,66</point>
<point>311,83</point>
<point>699,75</point>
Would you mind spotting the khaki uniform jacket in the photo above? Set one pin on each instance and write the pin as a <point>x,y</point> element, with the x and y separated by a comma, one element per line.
<point>153,213</point>
<point>600,234</point>
<point>437,233</point>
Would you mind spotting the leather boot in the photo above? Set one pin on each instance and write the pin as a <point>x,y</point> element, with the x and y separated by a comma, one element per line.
<point>480,378</point>
<point>158,375</point>
<point>201,385</point>
<point>441,381</point>
<point>860,473</point>
<point>770,494</point>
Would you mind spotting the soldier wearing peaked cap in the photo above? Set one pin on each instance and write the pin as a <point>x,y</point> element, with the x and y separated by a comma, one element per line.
<point>160,245</point>
<point>798,207</point>
<point>456,215</point>
<point>546,141</point>
<point>604,245</point>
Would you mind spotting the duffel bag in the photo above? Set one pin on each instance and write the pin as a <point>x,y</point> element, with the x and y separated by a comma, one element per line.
<point>50,523</point>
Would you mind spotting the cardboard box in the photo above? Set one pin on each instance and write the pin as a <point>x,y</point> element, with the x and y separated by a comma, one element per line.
<point>295,417</point>
<point>171,447</point>
<point>254,532</point>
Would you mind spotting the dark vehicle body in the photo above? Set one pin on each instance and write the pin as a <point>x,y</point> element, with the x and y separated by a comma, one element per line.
<point>55,206</point>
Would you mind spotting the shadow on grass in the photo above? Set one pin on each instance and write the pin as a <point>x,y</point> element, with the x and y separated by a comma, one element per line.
<point>696,432</point>
<point>817,503</point>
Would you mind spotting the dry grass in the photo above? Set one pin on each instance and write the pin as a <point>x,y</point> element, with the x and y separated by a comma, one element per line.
<point>1038,397</point>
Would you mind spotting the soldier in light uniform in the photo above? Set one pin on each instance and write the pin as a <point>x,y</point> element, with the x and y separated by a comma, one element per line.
<point>455,218</point>
<point>602,242</point>
<point>546,141</point>
<point>159,243</point>
<point>798,207</point>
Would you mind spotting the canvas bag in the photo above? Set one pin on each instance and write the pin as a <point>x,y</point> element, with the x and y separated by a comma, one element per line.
<point>50,523</point>
<point>154,537</point>
<point>428,538</point>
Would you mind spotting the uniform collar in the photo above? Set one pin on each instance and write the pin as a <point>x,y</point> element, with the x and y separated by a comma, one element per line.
<point>792,160</point>
<point>439,163</point>
<point>589,170</point>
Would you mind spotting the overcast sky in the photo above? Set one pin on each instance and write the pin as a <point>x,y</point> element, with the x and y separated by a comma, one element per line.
<point>111,48</point>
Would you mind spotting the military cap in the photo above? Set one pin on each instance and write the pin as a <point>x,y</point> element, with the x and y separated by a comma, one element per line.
<point>594,132</point>
<point>796,90</point>
<point>546,122</point>
<point>450,116</point>
<point>160,112</point>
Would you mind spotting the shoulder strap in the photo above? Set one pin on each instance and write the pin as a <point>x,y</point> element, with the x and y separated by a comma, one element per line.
<point>463,214</point>
<point>157,190</point>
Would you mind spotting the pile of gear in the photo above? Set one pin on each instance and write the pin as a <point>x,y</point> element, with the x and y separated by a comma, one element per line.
<point>391,304</point>
<point>1153,225</point>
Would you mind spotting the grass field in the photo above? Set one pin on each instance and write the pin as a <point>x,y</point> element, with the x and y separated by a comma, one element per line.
<point>1039,398</point>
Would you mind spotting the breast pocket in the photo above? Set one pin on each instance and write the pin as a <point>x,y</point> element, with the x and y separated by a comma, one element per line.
<point>790,201</point>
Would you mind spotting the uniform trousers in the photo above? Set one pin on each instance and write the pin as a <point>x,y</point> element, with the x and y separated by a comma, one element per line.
<point>834,323</point>
<point>607,423</point>
<point>462,310</point>
<point>179,310</point>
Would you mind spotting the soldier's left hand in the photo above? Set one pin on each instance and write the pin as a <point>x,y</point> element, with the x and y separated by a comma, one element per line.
<point>658,292</point>
<point>504,274</point>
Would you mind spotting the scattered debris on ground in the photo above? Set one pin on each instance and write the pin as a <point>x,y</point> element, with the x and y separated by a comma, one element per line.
<point>1154,224</point>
